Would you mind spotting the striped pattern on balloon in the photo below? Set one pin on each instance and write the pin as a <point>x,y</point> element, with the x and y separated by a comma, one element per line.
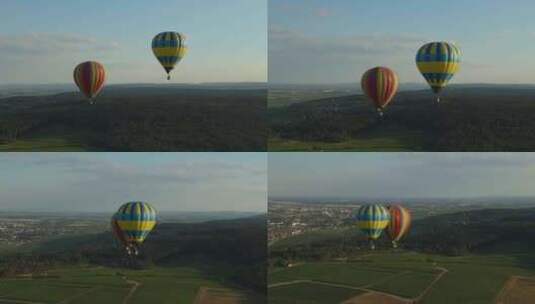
<point>400,223</point>
<point>169,48</point>
<point>136,220</point>
<point>438,62</point>
<point>372,220</point>
<point>90,76</point>
<point>380,84</point>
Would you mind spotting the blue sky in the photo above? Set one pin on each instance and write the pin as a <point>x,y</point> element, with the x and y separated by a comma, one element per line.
<point>401,175</point>
<point>100,182</point>
<point>41,41</point>
<point>312,41</point>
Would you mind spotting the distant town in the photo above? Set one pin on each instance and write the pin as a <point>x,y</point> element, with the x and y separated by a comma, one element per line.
<point>21,230</point>
<point>291,218</point>
<point>288,219</point>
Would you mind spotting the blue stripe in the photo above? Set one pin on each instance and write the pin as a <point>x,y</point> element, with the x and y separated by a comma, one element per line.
<point>424,54</point>
<point>133,217</point>
<point>438,76</point>
<point>372,213</point>
<point>168,59</point>
<point>136,234</point>
<point>164,43</point>
<point>126,212</point>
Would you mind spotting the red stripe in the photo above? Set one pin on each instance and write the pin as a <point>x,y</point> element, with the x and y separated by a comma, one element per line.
<point>370,85</point>
<point>83,76</point>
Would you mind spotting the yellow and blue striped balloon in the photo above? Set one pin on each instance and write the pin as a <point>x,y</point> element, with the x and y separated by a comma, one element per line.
<point>135,220</point>
<point>169,48</point>
<point>372,220</point>
<point>438,62</point>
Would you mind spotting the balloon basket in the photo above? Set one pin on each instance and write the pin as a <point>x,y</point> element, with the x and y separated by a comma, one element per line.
<point>380,113</point>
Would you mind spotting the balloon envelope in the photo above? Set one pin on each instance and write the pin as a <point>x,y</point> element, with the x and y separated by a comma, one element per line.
<point>372,220</point>
<point>400,222</point>
<point>90,76</point>
<point>438,62</point>
<point>117,233</point>
<point>136,220</point>
<point>169,48</point>
<point>380,84</point>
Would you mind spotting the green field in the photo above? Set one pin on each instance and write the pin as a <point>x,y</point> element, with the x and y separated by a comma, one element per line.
<point>383,138</point>
<point>56,139</point>
<point>380,144</point>
<point>468,279</point>
<point>105,285</point>
<point>309,293</point>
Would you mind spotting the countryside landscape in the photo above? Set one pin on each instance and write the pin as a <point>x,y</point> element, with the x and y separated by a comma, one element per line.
<point>79,237</point>
<point>182,263</point>
<point>468,118</point>
<point>475,253</point>
<point>144,117</point>
<point>470,226</point>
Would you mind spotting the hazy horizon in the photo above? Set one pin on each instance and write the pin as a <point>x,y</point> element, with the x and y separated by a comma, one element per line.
<point>101,182</point>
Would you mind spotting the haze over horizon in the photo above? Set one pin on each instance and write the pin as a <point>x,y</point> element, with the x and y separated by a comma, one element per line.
<point>43,44</point>
<point>401,175</point>
<point>101,182</point>
<point>312,41</point>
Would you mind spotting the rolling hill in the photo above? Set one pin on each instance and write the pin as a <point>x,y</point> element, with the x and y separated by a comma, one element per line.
<point>469,118</point>
<point>210,262</point>
<point>137,118</point>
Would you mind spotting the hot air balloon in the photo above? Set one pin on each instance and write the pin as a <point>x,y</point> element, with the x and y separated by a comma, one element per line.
<point>380,84</point>
<point>169,48</point>
<point>400,223</point>
<point>438,62</point>
<point>90,76</point>
<point>372,220</point>
<point>134,220</point>
<point>118,236</point>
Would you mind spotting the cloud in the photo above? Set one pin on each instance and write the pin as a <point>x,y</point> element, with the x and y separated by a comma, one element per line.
<point>298,57</point>
<point>282,40</point>
<point>113,171</point>
<point>72,181</point>
<point>51,43</point>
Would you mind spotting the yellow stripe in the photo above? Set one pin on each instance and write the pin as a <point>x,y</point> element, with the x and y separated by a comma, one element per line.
<point>438,67</point>
<point>170,51</point>
<point>372,224</point>
<point>379,85</point>
<point>139,226</point>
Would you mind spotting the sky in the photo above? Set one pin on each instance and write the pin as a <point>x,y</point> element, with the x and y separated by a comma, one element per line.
<point>41,41</point>
<point>400,175</point>
<point>319,42</point>
<point>101,182</point>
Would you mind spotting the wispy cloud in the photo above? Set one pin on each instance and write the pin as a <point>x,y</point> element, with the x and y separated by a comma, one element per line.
<point>51,43</point>
<point>284,40</point>
<point>94,181</point>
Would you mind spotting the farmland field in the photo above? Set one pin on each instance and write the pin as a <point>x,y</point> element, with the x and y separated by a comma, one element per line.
<point>106,285</point>
<point>404,275</point>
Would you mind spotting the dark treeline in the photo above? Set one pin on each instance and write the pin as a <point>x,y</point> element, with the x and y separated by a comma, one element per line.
<point>133,120</point>
<point>495,231</point>
<point>234,250</point>
<point>466,120</point>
